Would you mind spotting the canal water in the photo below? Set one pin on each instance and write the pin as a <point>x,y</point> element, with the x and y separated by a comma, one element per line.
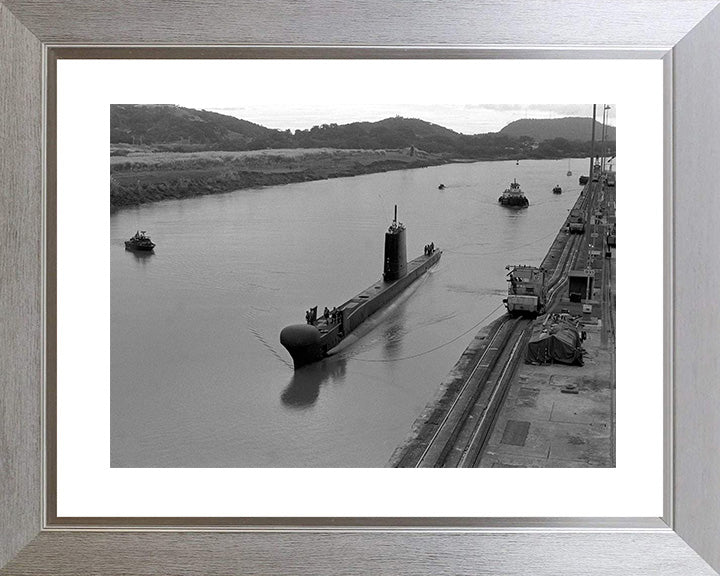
<point>198,375</point>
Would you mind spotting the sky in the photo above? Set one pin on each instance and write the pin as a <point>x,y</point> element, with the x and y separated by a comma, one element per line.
<point>466,119</point>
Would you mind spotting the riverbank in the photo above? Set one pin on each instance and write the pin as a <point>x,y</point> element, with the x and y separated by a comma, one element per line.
<point>139,176</point>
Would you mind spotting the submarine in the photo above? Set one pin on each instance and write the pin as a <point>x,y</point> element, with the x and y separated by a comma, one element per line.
<point>314,340</point>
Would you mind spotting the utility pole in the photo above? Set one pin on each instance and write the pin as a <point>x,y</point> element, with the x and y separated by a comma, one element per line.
<point>602,141</point>
<point>604,138</point>
<point>592,143</point>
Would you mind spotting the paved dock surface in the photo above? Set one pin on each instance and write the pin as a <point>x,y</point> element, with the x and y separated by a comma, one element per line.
<point>541,425</point>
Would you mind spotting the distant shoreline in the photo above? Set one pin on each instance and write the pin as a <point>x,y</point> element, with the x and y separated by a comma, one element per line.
<point>143,177</point>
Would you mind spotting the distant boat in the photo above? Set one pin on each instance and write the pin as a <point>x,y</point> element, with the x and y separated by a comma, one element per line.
<point>557,189</point>
<point>569,172</point>
<point>141,241</point>
<point>517,162</point>
<point>513,196</point>
<point>441,187</point>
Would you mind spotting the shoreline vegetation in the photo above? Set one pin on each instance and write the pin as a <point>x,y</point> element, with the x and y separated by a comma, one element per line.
<point>143,177</point>
<point>163,152</point>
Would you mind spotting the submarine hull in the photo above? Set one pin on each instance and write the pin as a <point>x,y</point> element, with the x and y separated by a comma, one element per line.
<point>309,343</point>
<point>303,341</point>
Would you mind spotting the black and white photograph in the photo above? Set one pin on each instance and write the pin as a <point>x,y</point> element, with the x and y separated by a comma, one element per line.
<point>349,286</point>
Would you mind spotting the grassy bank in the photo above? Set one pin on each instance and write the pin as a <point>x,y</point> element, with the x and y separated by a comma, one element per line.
<point>140,176</point>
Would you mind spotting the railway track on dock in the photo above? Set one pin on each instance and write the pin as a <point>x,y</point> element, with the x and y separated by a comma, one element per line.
<point>444,439</point>
<point>460,436</point>
<point>479,424</point>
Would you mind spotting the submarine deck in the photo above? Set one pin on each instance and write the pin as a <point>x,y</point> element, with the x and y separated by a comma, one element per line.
<point>358,308</point>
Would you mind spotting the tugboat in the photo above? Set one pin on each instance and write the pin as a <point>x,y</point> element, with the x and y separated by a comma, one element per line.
<point>321,335</point>
<point>141,242</point>
<point>557,189</point>
<point>513,196</point>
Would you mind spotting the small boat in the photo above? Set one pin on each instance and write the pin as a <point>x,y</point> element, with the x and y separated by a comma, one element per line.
<point>517,162</point>
<point>441,187</point>
<point>141,241</point>
<point>569,172</point>
<point>557,189</point>
<point>513,196</point>
<point>583,179</point>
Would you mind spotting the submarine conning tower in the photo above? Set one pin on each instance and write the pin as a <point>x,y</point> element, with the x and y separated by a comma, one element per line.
<point>395,251</point>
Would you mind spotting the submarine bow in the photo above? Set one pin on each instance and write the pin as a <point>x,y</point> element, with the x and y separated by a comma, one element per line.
<point>302,341</point>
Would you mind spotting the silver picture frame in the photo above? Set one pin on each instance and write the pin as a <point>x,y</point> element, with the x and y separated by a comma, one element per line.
<point>685,34</point>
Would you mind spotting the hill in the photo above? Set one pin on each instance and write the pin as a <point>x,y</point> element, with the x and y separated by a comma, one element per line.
<point>169,128</point>
<point>169,124</point>
<point>571,128</point>
<point>396,132</point>
<point>174,128</point>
